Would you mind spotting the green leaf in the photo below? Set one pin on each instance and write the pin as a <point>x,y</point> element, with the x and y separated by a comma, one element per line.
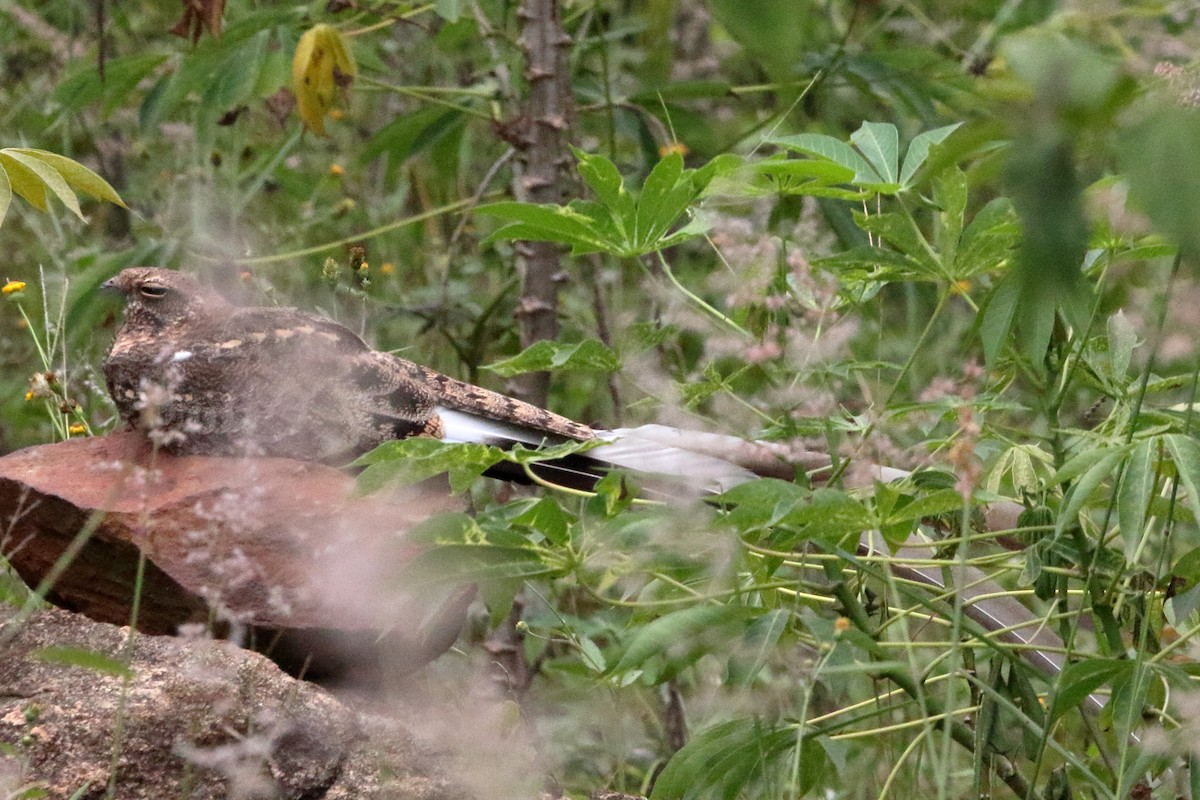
<point>1122,340</point>
<point>901,232</point>
<point>93,660</point>
<point>1133,498</point>
<point>1088,482</point>
<point>449,10</point>
<point>918,151</point>
<point>950,196</point>
<point>942,501</point>
<point>726,759</point>
<point>548,223</point>
<point>121,76</point>
<point>1083,461</point>
<point>998,317</point>
<point>988,241</point>
<point>758,643</point>
<point>457,564</point>
<point>762,503</point>
<point>593,658</point>
<point>606,182</point>
<point>234,84</point>
<point>876,264</point>
<point>831,516</point>
<point>683,636</point>
<point>407,461</point>
<point>659,203</point>
<point>830,149</point>
<point>1185,453</point>
<point>1081,679</point>
<point>589,354</point>
<point>409,134</point>
<point>1048,198</point>
<point>1161,156</point>
<point>548,518</point>
<point>880,143</point>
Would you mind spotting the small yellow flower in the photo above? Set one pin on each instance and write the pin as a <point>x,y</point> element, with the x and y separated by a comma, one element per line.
<point>960,287</point>
<point>28,396</point>
<point>387,268</point>
<point>77,429</point>
<point>841,624</point>
<point>12,287</point>
<point>673,147</point>
<point>337,170</point>
<point>336,113</point>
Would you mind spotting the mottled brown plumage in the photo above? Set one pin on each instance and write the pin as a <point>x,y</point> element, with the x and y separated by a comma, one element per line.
<point>202,376</point>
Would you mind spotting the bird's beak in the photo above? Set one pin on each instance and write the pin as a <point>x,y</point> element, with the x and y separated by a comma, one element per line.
<point>111,285</point>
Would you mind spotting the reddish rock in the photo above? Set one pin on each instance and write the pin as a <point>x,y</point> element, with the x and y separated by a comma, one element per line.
<point>255,545</point>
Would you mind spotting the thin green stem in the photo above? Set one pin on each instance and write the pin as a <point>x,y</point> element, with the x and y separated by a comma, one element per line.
<point>700,303</point>
<point>358,237</point>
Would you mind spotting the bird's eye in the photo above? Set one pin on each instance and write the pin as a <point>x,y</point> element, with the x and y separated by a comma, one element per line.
<point>153,291</point>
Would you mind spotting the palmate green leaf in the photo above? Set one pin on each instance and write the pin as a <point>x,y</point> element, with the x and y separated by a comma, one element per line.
<point>918,150</point>
<point>821,170</point>
<point>879,142</point>
<point>588,354</point>
<point>407,461</point>
<point>606,182</point>
<point>832,516</point>
<point>830,149</point>
<point>234,84</point>
<point>875,263</point>
<point>549,223</point>
<point>659,201</point>
<point>902,233</point>
<point>988,241</point>
<point>950,196</point>
<point>762,503</point>
<point>548,518</point>
<point>82,657</point>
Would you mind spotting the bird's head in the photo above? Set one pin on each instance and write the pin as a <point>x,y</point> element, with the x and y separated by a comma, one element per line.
<point>161,298</point>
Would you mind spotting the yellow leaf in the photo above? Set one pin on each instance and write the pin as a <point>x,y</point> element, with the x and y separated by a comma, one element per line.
<point>5,194</point>
<point>322,64</point>
<point>77,176</point>
<point>49,176</point>
<point>24,181</point>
